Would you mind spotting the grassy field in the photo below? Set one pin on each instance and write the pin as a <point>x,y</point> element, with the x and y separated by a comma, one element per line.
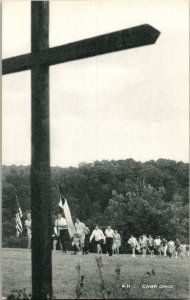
<point>140,273</point>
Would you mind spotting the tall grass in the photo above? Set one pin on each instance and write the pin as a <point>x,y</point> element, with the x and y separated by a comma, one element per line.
<point>96,277</point>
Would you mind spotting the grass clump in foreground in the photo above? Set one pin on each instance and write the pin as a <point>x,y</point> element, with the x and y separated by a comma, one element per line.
<point>93,277</point>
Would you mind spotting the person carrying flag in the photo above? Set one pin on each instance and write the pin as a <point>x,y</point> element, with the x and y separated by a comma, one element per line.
<point>60,230</point>
<point>28,224</point>
<point>63,204</point>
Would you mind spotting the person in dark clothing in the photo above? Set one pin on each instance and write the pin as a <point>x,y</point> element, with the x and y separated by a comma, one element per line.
<point>109,234</point>
<point>86,241</point>
<point>60,230</point>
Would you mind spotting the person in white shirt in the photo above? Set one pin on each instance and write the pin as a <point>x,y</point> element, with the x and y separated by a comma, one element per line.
<point>60,230</point>
<point>150,244</point>
<point>80,230</point>
<point>143,244</point>
<point>171,248</point>
<point>109,233</point>
<point>133,243</point>
<point>157,245</point>
<point>28,224</point>
<point>164,246</point>
<point>99,237</point>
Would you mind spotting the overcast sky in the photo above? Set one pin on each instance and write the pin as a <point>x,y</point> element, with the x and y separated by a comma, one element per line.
<point>132,103</point>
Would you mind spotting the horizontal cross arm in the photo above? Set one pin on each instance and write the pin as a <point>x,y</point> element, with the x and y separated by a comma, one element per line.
<point>116,41</point>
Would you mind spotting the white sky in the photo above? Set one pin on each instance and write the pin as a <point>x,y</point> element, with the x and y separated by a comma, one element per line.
<point>132,103</point>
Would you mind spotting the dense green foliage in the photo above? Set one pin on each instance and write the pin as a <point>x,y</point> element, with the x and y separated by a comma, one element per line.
<point>134,197</point>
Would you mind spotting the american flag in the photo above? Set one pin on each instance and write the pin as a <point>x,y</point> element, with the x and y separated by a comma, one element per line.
<point>19,228</point>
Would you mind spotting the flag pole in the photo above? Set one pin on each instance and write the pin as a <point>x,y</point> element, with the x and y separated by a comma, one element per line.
<point>66,210</point>
<point>58,186</point>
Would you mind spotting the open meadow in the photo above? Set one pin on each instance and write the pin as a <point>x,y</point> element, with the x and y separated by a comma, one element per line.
<point>109,277</point>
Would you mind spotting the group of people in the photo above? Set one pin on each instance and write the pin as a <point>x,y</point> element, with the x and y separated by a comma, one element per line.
<point>81,238</point>
<point>110,240</point>
<point>157,246</point>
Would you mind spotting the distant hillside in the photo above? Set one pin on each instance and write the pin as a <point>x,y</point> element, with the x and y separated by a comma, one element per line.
<point>132,196</point>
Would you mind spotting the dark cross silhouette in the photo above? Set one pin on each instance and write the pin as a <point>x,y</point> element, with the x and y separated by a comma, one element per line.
<point>38,61</point>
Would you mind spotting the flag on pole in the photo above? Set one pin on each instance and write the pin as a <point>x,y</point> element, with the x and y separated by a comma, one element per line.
<point>64,205</point>
<point>19,227</point>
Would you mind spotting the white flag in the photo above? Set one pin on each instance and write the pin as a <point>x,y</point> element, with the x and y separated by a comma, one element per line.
<point>64,205</point>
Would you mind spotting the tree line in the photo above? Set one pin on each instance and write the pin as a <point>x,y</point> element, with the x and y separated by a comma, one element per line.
<point>133,197</point>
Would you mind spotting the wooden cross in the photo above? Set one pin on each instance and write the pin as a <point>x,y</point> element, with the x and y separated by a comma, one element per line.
<point>38,61</point>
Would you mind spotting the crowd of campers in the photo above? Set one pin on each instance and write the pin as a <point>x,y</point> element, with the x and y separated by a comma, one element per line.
<point>157,246</point>
<point>108,241</point>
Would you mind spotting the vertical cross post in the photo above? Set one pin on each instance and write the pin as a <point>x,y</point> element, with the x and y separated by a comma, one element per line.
<point>40,168</point>
<point>40,60</point>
